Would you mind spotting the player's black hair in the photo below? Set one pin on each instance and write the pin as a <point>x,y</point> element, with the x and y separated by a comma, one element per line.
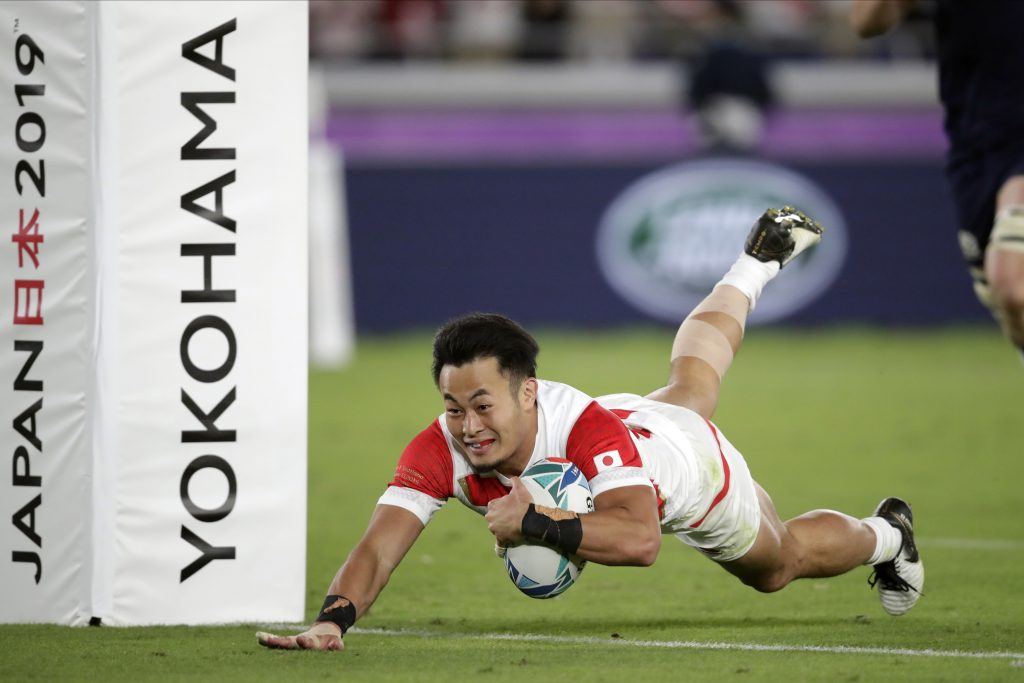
<point>486,335</point>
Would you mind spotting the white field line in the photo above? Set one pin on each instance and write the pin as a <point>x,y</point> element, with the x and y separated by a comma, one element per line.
<point>993,544</point>
<point>971,543</point>
<point>691,645</point>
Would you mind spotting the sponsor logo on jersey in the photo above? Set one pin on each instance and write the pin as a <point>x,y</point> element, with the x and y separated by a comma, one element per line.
<point>607,460</point>
<point>667,239</point>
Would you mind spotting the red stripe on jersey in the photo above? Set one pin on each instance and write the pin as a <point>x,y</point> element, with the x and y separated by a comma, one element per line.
<point>638,432</point>
<point>661,501</point>
<point>598,432</point>
<point>482,490</point>
<point>426,464</point>
<point>725,486</point>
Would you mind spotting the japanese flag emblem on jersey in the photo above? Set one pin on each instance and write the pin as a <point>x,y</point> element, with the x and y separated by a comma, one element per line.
<point>607,460</point>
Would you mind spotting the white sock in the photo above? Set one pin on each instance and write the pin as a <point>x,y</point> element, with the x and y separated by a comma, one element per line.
<point>888,540</point>
<point>750,276</point>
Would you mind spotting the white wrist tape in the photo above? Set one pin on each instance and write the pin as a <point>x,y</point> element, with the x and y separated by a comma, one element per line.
<point>1008,231</point>
<point>750,276</point>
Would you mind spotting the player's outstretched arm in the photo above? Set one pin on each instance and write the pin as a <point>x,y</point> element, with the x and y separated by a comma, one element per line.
<point>711,334</point>
<point>388,537</point>
<point>871,18</point>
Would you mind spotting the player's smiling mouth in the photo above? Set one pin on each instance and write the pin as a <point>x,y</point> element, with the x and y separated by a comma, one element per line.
<point>479,447</point>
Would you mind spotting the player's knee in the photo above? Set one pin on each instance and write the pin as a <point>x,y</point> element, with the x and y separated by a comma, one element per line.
<point>768,582</point>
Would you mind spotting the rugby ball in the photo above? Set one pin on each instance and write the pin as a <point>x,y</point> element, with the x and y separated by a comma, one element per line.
<point>537,570</point>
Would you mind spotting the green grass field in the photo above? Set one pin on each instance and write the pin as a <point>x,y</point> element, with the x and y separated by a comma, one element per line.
<point>825,419</point>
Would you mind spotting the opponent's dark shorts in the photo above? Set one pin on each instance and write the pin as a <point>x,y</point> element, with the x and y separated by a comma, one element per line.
<point>975,180</point>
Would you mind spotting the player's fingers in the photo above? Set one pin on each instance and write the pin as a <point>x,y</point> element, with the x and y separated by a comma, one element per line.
<point>519,491</point>
<point>308,641</point>
<point>276,642</point>
<point>518,488</point>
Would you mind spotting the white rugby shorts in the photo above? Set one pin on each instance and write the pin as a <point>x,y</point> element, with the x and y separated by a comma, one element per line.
<point>730,528</point>
<point>717,514</point>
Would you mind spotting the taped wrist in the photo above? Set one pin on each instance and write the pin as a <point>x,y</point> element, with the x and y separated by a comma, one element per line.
<point>338,610</point>
<point>1008,231</point>
<point>554,526</point>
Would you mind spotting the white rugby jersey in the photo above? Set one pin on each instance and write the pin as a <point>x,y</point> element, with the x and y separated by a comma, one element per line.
<point>619,440</point>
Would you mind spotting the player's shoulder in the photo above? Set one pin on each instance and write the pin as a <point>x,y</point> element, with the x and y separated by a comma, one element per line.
<point>566,406</point>
<point>426,464</point>
<point>547,387</point>
<point>430,444</point>
<point>561,400</point>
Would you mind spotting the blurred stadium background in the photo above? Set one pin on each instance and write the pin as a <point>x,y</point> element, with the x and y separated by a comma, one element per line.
<point>484,142</point>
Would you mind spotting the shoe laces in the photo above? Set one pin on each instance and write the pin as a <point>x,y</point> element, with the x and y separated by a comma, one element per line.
<point>888,578</point>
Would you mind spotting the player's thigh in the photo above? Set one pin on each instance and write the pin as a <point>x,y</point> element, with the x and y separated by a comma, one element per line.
<point>766,561</point>
<point>693,384</point>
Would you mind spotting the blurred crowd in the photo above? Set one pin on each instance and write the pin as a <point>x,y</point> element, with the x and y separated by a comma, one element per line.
<point>597,30</point>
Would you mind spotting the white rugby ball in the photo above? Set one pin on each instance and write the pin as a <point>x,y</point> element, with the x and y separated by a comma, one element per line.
<point>537,570</point>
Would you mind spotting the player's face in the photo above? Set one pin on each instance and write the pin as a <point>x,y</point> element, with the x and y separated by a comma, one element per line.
<point>495,426</point>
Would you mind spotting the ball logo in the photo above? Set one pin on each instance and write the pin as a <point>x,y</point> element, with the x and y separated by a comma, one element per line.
<point>668,238</point>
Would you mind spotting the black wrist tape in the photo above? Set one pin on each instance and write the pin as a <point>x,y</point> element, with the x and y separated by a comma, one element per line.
<point>565,533</point>
<point>338,610</point>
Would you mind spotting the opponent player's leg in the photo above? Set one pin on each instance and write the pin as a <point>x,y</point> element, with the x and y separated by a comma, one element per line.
<point>710,336</point>
<point>1004,260</point>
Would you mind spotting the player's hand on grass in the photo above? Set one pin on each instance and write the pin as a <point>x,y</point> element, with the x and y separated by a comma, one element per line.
<point>319,636</point>
<point>505,515</point>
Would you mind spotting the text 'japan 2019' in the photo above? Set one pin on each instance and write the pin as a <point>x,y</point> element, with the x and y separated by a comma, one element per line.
<point>28,285</point>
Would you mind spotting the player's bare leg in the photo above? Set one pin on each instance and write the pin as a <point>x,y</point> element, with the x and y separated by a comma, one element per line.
<point>816,544</point>
<point>703,350</point>
<point>824,543</point>
<point>710,336</point>
<point>820,543</point>
<point>1004,261</point>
